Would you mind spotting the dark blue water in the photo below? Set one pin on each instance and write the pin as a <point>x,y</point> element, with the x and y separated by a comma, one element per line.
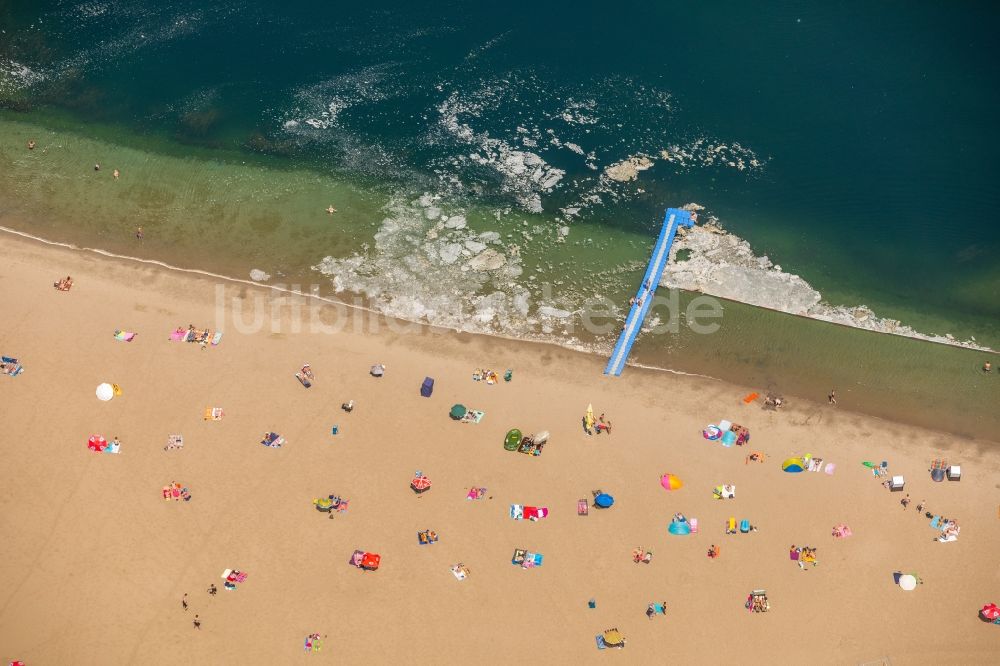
<point>866,131</point>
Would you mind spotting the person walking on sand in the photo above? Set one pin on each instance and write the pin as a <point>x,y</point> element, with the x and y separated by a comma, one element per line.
<point>832,397</point>
<point>196,622</point>
<point>184,601</point>
<point>905,501</point>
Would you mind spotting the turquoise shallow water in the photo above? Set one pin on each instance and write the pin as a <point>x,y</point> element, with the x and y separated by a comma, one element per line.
<point>854,145</point>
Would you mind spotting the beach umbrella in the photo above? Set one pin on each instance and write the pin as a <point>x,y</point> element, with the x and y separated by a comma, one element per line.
<point>679,527</point>
<point>908,582</point>
<point>420,483</point>
<point>97,443</point>
<point>613,638</point>
<point>793,465</point>
<point>990,612</point>
<point>671,482</point>
<point>457,411</point>
<point>604,500</point>
<point>323,504</point>
<point>105,392</point>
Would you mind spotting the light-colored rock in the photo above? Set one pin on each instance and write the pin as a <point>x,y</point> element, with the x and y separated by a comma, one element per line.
<point>258,275</point>
<point>628,169</point>
<point>488,260</point>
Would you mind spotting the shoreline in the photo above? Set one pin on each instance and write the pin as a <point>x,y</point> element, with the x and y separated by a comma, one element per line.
<point>357,308</point>
<point>738,256</point>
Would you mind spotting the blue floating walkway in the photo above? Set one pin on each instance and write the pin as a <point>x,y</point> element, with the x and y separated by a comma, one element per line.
<point>644,297</point>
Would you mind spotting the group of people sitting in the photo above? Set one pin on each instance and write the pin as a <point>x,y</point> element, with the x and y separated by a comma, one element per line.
<point>713,551</point>
<point>306,376</point>
<point>804,555</point>
<point>643,556</point>
<point>64,284</point>
<point>757,602</point>
<point>195,334</point>
<point>10,366</point>
<point>773,402</point>
<point>175,491</point>
<point>655,608</point>
<point>490,376</point>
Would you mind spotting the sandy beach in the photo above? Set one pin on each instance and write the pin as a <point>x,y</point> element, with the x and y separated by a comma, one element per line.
<point>95,563</point>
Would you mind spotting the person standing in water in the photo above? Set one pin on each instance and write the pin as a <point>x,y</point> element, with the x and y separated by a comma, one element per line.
<point>987,367</point>
<point>138,233</point>
<point>832,397</point>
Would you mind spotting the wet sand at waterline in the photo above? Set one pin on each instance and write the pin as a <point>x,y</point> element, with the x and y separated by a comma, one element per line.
<point>95,562</point>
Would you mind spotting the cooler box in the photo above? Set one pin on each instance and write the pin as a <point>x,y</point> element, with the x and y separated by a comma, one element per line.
<point>427,387</point>
<point>954,473</point>
<point>896,483</point>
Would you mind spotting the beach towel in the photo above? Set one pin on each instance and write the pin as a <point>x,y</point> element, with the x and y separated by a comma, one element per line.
<point>179,336</point>
<point>113,447</point>
<point>601,645</point>
<point>750,398</point>
<point>519,556</point>
<point>174,442</point>
<point>830,467</point>
<point>473,416</point>
<point>11,367</point>
<point>660,608</point>
<point>535,512</point>
<point>342,507</point>
<point>214,413</point>
<point>460,571</point>
<point>124,336</point>
<point>476,493</point>
<point>516,511</point>
<point>582,507</point>
<point>936,522</point>
<point>217,338</point>
<point>693,522</point>
<point>816,464</point>
<point>273,440</point>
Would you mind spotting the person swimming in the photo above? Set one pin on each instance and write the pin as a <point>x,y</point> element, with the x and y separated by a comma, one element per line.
<point>987,367</point>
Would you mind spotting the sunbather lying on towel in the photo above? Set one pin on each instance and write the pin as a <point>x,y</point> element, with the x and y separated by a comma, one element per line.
<point>64,285</point>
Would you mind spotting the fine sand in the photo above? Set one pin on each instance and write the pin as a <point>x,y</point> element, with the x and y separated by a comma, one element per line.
<point>94,563</point>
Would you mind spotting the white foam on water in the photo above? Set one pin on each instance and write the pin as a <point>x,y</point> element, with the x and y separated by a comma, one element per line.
<point>724,265</point>
<point>15,76</point>
<point>434,268</point>
<point>524,174</point>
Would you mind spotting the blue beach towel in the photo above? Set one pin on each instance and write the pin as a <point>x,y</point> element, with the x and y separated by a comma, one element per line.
<point>936,522</point>
<point>600,642</point>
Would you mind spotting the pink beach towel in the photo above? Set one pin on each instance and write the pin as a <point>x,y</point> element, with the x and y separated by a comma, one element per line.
<point>693,522</point>
<point>178,336</point>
